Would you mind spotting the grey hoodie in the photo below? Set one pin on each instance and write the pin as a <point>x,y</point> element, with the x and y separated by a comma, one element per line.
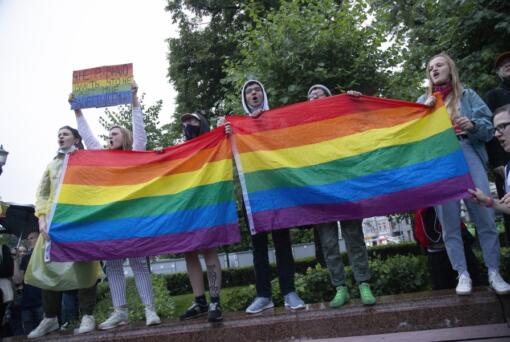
<point>264,105</point>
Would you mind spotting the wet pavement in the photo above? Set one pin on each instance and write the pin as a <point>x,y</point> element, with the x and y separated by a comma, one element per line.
<point>410,316</point>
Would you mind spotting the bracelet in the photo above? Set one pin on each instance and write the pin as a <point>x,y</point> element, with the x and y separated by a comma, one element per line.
<point>490,202</point>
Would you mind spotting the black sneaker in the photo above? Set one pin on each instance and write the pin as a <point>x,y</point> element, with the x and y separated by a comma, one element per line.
<point>194,311</point>
<point>215,314</point>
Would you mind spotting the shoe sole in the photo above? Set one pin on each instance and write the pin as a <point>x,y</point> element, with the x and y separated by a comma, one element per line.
<point>301,306</point>
<point>49,332</point>
<point>193,317</point>
<point>215,320</point>
<point>460,293</point>
<point>78,332</point>
<point>501,293</point>
<point>153,323</point>
<point>268,306</point>
<point>113,326</point>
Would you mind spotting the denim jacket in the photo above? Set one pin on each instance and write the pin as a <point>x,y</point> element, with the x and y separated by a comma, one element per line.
<point>473,107</point>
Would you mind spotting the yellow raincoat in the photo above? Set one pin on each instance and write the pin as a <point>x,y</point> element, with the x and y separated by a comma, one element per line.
<point>56,276</point>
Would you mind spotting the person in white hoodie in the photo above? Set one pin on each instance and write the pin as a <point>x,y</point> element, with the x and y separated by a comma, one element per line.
<point>121,138</point>
<point>254,101</point>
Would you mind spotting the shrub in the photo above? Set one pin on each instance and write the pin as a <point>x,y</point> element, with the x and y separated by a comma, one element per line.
<point>164,304</point>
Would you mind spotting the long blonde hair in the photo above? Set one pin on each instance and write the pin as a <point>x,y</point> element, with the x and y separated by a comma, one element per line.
<point>127,137</point>
<point>453,99</point>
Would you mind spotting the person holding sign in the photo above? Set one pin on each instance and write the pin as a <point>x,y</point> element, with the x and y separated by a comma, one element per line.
<point>121,138</point>
<point>53,278</point>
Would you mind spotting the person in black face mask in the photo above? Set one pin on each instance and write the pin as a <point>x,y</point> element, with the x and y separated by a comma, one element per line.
<point>194,125</point>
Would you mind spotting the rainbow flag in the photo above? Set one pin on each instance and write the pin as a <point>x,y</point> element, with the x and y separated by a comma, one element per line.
<point>343,158</point>
<point>115,204</point>
<point>102,86</point>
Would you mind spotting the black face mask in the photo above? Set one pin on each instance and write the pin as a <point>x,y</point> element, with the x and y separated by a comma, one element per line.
<point>191,132</point>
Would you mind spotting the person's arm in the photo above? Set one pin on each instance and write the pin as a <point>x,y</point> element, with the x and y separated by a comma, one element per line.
<point>42,203</point>
<point>481,117</point>
<point>88,137</point>
<point>480,198</point>
<point>139,133</point>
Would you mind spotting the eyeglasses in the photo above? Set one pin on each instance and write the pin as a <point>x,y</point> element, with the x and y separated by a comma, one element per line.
<point>501,127</point>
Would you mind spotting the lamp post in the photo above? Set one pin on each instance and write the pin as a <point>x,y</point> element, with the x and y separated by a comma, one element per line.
<point>3,157</point>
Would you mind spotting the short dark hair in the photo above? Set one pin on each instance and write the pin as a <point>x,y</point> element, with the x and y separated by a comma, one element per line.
<point>502,109</point>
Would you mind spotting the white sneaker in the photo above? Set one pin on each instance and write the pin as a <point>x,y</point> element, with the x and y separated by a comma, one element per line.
<point>88,324</point>
<point>464,286</point>
<point>498,284</point>
<point>117,318</point>
<point>46,326</point>
<point>151,317</point>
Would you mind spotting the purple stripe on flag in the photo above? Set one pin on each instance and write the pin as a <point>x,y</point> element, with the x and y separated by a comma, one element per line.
<point>139,247</point>
<point>402,201</point>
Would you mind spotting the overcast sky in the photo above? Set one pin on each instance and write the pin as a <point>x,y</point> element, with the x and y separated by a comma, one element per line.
<point>41,43</point>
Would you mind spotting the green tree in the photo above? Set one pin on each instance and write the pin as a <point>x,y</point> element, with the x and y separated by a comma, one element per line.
<point>157,135</point>
<point>473,32</point>
<point>197,57</point>
<point>304,42</point>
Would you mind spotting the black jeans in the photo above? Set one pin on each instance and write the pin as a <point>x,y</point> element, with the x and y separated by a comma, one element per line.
<point>284,262</point>
<point>52,301</point>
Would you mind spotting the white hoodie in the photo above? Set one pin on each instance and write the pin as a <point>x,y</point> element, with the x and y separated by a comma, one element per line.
<point>264,105</point>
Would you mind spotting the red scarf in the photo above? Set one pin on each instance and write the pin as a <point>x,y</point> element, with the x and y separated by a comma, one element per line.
<point>444,89</point>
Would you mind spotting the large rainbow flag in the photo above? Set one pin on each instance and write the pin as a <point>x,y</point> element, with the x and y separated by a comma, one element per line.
<point>103,86</point>
<point>115,204</point>
<point>344,158</point>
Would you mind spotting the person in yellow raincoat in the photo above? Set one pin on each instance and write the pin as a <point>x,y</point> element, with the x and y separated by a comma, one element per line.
<point>55,277</point>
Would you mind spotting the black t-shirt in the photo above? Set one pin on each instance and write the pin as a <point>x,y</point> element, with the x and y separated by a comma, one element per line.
<point>31,294</point>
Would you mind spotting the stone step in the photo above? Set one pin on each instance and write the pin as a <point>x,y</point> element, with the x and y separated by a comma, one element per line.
<point>392,314</point>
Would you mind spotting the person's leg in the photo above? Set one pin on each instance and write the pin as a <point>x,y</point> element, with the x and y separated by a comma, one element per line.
<point>199,306</point>
<point>262,274</point>
<point>352,231</point>
<point>214,277</point>
<point>70,310</point>
<point>261,265</point>
<point>482,217</point>
<point>284,260</point>
<point>449,217</point>
<point>117,285</point>
<point>87,300</point>
<point>51,303</point>
<point>319,255</point>
<point>143,283</point>
<point>328,233</point>
<point>195,273</point>
<point>116,282</point>
<point>286,270</point>
<point>213,273</point>
<point>143,280</point>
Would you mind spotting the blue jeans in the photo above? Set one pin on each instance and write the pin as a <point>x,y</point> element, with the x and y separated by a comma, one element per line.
<point>483,218</point>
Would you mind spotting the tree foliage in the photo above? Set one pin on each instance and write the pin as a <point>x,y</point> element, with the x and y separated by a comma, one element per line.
<point>157,135</point>
<point>206,41</point>
<point>473,32</point>
<point>304,42</point>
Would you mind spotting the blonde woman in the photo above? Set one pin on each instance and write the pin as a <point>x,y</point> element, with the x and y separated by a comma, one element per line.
<point>471,119</point>
<point>121,138</point>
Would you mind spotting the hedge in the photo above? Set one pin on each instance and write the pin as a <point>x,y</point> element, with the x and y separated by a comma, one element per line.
<point>178,283</point>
